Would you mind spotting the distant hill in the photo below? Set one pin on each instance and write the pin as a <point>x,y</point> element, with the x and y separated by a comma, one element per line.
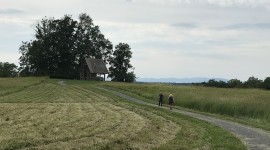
<point>178,80</point>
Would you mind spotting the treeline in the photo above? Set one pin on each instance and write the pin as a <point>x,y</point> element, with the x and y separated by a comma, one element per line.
<point>8,69</point>
<point>252,82</point>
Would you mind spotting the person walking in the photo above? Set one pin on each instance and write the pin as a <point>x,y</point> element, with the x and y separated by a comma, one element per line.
<point>160,99</point>
<point>171,101</point>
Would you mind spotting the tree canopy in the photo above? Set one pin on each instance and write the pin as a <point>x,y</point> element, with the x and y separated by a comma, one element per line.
<point>120,63</point>
<point>61,45</point>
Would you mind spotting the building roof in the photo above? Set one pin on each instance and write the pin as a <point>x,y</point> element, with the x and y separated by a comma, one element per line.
<point>96,66</point>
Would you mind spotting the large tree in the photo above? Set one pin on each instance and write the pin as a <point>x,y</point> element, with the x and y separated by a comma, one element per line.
<point>60,45</point>
<point>120,64</point>
<point>234,83</point>
<point>8,69</point>
<point>253,82</point>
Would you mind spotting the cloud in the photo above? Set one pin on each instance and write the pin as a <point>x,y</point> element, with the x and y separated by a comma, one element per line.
<point>11,11</point>
<point>11,57</point>
<point>221,3</point>
<point>249,26</point>
<point>185,25</point>
<point>248,3</point>
<point>9,22</point>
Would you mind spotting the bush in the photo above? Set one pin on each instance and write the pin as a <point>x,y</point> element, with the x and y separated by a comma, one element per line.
<point>266,83</point>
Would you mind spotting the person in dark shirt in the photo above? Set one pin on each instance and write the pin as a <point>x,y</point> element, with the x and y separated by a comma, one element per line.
<point>160,100</point>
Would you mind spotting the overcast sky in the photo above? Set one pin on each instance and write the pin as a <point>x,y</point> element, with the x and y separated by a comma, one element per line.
<point>169,38</point>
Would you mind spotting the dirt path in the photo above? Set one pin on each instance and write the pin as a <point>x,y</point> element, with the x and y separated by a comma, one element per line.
<point>61,82</point>
<point>255,139</point>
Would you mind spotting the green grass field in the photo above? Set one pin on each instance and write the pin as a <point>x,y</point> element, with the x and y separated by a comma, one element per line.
<point>40,113</point>
<point>13,85</point>
<point>248,106</point>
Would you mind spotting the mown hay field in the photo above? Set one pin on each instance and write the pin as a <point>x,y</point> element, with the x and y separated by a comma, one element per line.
<point>42,114</point>
<point>249,106</point>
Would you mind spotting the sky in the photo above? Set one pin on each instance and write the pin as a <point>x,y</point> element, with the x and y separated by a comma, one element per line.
<point>168,38</point>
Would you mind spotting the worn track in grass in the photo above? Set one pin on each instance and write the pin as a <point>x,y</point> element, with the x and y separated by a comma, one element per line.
<point>255,139</point>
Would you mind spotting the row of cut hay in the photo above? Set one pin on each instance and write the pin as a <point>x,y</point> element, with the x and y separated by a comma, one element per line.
<point>13,85</point>
<point>50,116</point>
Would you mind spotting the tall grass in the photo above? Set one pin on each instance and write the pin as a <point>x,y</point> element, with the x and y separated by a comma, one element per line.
<point>251,103</point>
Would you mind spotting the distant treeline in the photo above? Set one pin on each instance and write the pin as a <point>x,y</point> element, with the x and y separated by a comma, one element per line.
<point>8,69</point>
<point>252,82</point>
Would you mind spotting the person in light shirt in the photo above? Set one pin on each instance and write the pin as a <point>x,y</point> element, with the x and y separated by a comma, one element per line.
<point>171,101</point>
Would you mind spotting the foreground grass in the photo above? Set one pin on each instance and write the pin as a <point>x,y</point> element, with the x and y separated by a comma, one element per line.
<point>79,116</point>
<point>248,106</point>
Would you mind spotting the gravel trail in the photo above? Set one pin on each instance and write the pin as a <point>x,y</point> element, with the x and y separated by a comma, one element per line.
<point>254,138</point>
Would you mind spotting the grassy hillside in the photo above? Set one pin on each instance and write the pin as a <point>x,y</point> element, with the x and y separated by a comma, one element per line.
<point>250,106</point>
<point>12,85</point>
<point>48,115</point>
